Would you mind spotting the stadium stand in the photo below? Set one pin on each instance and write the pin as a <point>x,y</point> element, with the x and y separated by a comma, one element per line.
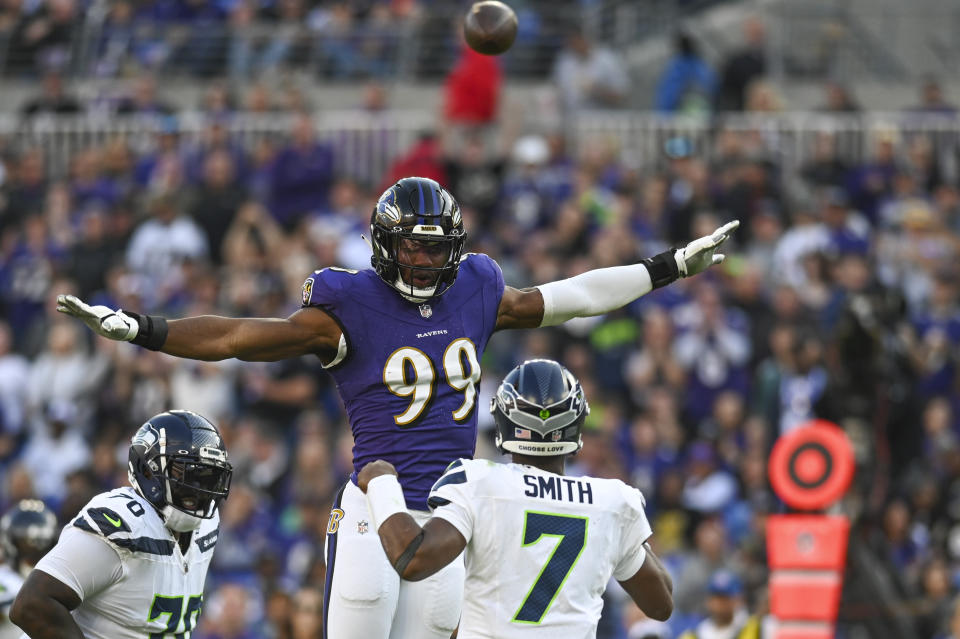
<point>840,297</point>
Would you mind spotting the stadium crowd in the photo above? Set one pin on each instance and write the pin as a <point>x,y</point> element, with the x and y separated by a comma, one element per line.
<point>839,299</point>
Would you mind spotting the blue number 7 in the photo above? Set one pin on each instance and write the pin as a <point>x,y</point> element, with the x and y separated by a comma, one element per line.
<point>572,532</point>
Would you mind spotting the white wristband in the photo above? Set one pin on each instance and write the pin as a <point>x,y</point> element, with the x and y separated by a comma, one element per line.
<point>384,498</point>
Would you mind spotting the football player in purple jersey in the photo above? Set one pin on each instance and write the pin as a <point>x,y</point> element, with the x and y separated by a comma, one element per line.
<point>403,341</point>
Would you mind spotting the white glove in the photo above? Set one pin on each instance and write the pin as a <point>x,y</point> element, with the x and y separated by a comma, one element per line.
<point>701,253</point>
<point>101,320</point>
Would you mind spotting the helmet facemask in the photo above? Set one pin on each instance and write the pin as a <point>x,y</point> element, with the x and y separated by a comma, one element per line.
<point>185,479</point>
<point>402,216</point>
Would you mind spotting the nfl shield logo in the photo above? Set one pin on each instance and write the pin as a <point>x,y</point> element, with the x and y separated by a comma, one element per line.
<point>425,311</point>
<point>363,527</point>
<point>556,435</point>
<point>307,290</point>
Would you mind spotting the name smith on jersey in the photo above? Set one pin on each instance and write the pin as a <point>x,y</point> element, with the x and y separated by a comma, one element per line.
<point>542,487</point>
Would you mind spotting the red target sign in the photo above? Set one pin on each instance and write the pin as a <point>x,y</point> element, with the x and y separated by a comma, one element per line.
<point>812,466</point>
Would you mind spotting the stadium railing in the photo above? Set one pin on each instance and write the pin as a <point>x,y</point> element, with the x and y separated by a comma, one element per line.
<point>788,138</point>
<point>365,143</point>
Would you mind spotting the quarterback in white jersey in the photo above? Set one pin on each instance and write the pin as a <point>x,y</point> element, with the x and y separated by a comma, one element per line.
<point>540,547</point>
<point>27,532</point>
<point>134,561</point>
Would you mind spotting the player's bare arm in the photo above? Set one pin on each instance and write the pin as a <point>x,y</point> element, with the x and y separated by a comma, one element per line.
<point>603,290</point>
<point>414,552</point>
<point>651,587</point>
<point>42,608</point>
<point>212,338</point>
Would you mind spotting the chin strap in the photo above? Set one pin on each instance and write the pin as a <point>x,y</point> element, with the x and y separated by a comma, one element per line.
<point>179,521</point>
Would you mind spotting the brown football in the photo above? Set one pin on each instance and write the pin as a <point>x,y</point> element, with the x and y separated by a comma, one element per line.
<point>490,27</point>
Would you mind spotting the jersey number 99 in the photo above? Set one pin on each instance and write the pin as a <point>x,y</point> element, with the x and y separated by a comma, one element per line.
<point>460,366</point>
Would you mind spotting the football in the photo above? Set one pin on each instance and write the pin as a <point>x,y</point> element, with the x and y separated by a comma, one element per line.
<point>490,27</point>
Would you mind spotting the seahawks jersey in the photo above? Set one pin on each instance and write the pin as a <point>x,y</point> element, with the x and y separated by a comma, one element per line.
<point>146,586</point>
<point>541,547</point>
<point>408,373</point>
<point>10,582</point>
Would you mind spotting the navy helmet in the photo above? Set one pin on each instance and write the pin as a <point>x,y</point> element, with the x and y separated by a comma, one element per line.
<point>419,209</point>
<point>27,532</point>
<point>179,464</point>
<point>539,410</point>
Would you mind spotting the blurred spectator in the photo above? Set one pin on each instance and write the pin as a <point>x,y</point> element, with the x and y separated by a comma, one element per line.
<point>42,38</point>
<point>472,89</point>
<point>301,175</point>
<point>934,603</point>
<point>162,243</point>
<point>52,100</point>
<point>687,192</point>
<point>742,67</point>
<point>217,200</point>
<point>64,371</point>
<point>932,100</point>
<point>589,76</point>
<point>476,176</point>
<point>307,619</point>
<point>825,168</point>
<point>94,251</point>
<point>230,612</point>
<point>26,187</point>
<point>708,489</point>
<point>869,183</point>
<point>726,613</point>
<point>707,556</point>
<point>713,347</point>
<point>762,97</point>
<point>423,159</point>
<point>117,40</point>
<point>687,82</point>
<point>803,383</point>
<point>56,437</point>
<point>144,100</point>
<point>14,369</point>
<point>839,98</point>
<point>953,631</point>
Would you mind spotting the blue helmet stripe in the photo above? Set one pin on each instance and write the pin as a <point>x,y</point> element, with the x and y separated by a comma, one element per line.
<point>421,210</point>
<point>436,205</point>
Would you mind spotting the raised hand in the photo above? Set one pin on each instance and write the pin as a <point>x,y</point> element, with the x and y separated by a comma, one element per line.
<point>701,253</point>
<point>102,320</point>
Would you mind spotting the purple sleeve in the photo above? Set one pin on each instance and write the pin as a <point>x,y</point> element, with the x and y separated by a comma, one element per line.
<point>493,286</point>
<point>323,288</point>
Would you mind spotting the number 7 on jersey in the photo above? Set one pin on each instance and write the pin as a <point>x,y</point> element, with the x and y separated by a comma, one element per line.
<point>572,534</point>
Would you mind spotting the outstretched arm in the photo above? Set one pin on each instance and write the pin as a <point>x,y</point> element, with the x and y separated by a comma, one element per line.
<point>210,337</point>
<point>414,552</point>
<point>603,290</point>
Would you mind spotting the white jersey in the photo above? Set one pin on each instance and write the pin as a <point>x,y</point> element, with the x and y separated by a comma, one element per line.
<point>128,569</point>
<point>540,548</point>
<point>10,582</point>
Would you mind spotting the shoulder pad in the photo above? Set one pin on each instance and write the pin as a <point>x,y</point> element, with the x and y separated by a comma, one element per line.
<point>633,497</point>
<point>323,285</point>
<point>460,471</point>
<point>122,519</point>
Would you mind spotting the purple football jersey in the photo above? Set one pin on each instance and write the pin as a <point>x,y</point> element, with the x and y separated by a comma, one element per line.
<point>410,378</point>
